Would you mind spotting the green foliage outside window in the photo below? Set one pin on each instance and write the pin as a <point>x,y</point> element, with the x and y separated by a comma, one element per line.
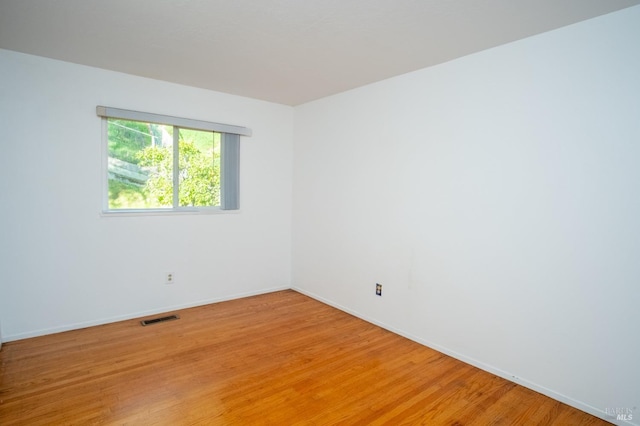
<point>141,166</point>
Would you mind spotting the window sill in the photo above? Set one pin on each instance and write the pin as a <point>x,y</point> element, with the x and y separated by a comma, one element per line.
<point>165,212</point>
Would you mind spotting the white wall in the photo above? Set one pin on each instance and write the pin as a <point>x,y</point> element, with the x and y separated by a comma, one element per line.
<point>63,265</point>
<point>497,199</point>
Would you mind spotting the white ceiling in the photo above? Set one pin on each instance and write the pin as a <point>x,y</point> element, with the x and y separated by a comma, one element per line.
<point>284,51</point>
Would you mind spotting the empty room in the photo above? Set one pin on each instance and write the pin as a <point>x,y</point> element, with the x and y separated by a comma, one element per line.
<point>320,212</point>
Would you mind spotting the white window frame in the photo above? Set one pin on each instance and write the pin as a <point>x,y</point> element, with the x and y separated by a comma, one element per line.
<point>229,160</point>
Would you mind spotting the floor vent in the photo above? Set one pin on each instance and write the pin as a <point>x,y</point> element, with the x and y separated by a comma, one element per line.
<point>157,320</point>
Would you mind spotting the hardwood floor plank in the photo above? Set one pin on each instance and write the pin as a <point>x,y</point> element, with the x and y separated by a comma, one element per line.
<point>278,358</point>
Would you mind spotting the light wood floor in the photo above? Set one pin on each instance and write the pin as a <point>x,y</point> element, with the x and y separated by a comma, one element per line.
<point>280,358</point>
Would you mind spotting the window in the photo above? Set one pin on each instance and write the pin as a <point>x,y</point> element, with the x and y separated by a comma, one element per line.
<point>162,163</point>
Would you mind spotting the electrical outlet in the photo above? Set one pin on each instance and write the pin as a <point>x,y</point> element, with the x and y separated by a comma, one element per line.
<point>169,278</point>
<point>378,289</point>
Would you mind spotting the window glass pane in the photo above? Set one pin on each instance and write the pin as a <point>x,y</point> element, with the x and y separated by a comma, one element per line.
<point>140,165</point>
<point>199,170</point>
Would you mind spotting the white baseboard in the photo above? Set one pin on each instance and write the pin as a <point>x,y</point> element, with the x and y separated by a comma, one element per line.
<point>132,315</point>
<point>481,365</point>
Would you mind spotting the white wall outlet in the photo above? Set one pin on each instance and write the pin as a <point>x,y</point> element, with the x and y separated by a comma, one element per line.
<point>169,278</point>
